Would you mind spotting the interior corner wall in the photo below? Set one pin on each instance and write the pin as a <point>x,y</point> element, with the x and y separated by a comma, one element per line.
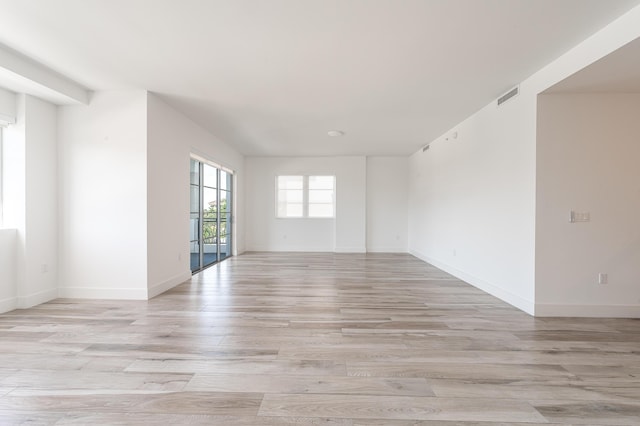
<point>29,188</point>
<point>344,233</point>
<point>587,161</point>
<point>103,197</point>
<point>472,199</point>
<point>387,204</point>
<point>172,138</point>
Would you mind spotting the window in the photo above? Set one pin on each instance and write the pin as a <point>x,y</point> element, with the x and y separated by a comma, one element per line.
<point>290,196</point>
<point>320,196</point>
<point>305,196</point>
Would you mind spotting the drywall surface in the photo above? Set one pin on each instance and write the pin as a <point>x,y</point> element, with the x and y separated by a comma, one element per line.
<point>471,208</point>
<point>41,204</point>
<point>472,198</point>
<point>387,204</point>
<point>103,197</point>
<point>30,199</point>
<point>351,204</point>
<point>14,187</point>
<point>172,138</point>
<point>587,161</point>
<point>8,289</point>
<point>344,233</point>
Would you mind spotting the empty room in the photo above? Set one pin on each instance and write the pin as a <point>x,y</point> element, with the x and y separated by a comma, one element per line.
<point>319,212</point>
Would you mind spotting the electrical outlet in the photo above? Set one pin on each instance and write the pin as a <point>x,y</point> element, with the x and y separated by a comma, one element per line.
<point>44,268</point>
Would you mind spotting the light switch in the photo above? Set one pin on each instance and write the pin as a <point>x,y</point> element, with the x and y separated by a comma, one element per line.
<point>579,216</point>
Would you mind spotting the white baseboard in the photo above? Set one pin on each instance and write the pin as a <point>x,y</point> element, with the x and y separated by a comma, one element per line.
<point>387,249</point>
<point>290,249</point>
<point>355,249</point>
<point>504,295</point>
<point>587,311</point>
<point>160,288</point>
<point>34,299</point>
<point>103,293</point>
<point>8,304</point>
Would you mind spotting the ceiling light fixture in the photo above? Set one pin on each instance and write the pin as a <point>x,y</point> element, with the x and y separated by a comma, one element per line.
<point>335,133</point>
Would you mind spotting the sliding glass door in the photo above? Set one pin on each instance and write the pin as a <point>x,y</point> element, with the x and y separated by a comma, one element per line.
<point>211,214</point>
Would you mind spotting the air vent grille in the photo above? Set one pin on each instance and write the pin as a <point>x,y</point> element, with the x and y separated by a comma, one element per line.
<point>510,94</point>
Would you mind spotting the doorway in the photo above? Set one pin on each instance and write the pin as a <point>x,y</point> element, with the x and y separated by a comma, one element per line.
<point>211,213</point>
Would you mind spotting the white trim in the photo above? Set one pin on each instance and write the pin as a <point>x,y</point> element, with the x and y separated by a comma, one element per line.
<point>204,160</point>
<point>519,302</point>
<point>587,311</point>
<point>161,287</point>
<point>34,299</point>
<point>297,249</point>
<point>386,249</point>
<point>103,293</point>
<point>352,249</point>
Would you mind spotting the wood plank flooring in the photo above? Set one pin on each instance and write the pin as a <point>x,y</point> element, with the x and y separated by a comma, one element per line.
<point>315,339</point>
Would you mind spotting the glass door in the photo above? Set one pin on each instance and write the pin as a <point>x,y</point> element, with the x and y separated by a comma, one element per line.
<point>195,220</point>
<point>225,214</point>
<point>211,214</point>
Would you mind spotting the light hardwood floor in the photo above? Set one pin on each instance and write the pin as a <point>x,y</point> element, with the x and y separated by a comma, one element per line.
<point>315,339</point>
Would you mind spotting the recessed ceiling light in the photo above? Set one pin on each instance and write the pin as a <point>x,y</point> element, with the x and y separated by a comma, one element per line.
<point>335,133</point>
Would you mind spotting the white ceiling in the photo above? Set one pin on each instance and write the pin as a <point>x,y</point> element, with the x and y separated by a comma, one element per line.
<point>273,76</point>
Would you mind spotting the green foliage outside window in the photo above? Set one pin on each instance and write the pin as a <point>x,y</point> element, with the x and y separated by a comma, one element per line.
<point>210,224</point>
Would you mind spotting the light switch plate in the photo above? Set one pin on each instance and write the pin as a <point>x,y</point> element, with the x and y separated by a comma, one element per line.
<point>579,217</point>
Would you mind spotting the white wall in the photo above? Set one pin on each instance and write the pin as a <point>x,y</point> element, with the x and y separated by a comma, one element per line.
<point>345,233</point>
<point>30,199</point>
<point>351,204</point>
<point>472,202</point>
<point>172,137</point>
<point>587,161</point>
<point>387,204</point>
<point>476,195</point>
<point>103,197</point>
<point>41,204</point>
<point>14,181</point>
<point>8,290</point>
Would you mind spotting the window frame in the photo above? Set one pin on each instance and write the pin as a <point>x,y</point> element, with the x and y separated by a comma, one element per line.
<point>305,196</point>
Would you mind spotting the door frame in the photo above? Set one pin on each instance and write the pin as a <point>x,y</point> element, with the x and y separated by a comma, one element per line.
<point>231,225</point>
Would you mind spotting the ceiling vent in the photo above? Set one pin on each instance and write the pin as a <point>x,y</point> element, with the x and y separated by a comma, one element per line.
<point>510,94</point>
